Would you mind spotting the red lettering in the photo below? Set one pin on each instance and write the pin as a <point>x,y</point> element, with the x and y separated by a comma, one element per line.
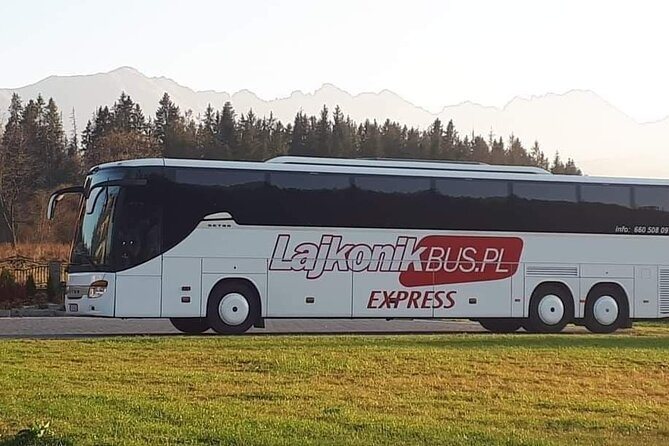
<point>427,298</point>
<point>450,300</point>
<point>387,299</point>
<point>454,259</point>
<point>413,299</point>
<point>401,295</point>
<point>372,298</point>
<point>438,301</point>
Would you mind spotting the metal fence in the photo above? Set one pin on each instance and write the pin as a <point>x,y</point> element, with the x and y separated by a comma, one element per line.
<point>23,267</point>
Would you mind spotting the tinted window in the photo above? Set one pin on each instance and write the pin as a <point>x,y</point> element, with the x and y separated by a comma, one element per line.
<point>472,188</point>
<point>138,225</point>
<point>392,185</point>
<point>544,206</point>
<point>607,194</point>
<point>651,198</point>
<point>389,202</point>
<point>605,207</point>
<point>219,177</point>
<point>309,181</point>
<point>535,190</point>
<point>469,204</point>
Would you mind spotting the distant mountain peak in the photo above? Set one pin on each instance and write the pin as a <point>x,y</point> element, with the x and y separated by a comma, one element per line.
<point>126,70</point>
<point>579,123</point>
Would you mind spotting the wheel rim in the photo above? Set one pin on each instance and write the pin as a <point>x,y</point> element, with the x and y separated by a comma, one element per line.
<point>605,310</point>
<point>551,309</point>
<point>233,309</point>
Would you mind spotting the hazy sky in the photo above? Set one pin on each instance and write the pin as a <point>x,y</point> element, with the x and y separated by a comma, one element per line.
<point>433,53</point>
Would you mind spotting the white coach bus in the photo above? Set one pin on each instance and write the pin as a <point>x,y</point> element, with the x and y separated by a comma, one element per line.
<point>226,245</point>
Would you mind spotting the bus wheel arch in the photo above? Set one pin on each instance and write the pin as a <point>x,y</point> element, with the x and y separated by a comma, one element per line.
<point>233,305</point>
<point>606,308</point>
<point>501,325</point>
<point>551,308</point>
<point>190,325</point>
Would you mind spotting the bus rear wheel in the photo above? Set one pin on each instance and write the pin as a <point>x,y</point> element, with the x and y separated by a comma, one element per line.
<point>606,310</point>
<point>233,307</point>
<point>190,325</point>
<point>499,325</point>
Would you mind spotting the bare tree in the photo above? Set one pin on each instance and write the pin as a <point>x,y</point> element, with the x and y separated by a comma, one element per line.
<point>17,175</point>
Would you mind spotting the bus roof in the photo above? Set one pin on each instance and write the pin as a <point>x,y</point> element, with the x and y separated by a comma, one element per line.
<point>395,163</point>
<point>379,168</point>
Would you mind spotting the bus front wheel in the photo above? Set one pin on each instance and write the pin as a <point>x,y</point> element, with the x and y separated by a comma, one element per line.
<point>233,307</point>
<point>551,309</point>
<point>499,325</point>
<point>190,325</point>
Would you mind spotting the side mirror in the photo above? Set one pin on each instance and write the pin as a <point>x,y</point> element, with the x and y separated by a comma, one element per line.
<point>59,195</point>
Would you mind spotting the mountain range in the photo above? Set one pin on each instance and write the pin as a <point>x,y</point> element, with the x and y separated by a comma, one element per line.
<point>602,139</point>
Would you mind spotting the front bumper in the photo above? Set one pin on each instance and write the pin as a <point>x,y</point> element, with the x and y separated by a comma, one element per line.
<point>77,302</point>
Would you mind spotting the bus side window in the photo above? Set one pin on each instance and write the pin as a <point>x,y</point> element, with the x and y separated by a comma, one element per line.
<point>546,206</point>
<point>476,204</point>
<point>605,207</point>
<point>654,198</point>
<point>307,199</point>
<point>390,202</point>
<point>652,208</point>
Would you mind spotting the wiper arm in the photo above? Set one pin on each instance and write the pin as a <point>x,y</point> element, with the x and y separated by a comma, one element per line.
<point>88,258</point>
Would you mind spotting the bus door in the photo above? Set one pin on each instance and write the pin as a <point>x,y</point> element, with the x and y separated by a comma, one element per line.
<point>136,252</point>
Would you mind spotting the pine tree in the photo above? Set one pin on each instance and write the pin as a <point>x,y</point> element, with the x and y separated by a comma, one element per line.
<point>73,141</point>
<point>537,157</point>
<point>435,135</point>
<point>19,173</point>
<point>480,150</point>
<point>557,166</point>
<point>370,140</point>
<point>54,151</point>
<point>168,127</point>
<point>300,137</point>
<point>323,134</point>
<point>249,133</point>
<point>207,139</point>
<point>227,131</point>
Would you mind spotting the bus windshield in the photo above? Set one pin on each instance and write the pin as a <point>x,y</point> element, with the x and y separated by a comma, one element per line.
<point>119,227</point>
<point>93,240</point>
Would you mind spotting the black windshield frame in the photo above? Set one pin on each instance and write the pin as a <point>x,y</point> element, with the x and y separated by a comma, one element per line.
<point>134,226</point>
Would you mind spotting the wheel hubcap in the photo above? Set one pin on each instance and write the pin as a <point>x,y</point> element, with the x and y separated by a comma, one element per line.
<point>605,310</point>
<point>233,309</point>
<point>551,309</point>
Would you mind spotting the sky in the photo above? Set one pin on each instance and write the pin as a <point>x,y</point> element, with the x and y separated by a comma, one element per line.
<point>433,53</point>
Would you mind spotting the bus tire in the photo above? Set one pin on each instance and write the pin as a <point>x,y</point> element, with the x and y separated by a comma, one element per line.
<point>233,307</point>
<point>551,309</point>
<point>190,325</point>
<point>501,325</point>
<point>606,309</point>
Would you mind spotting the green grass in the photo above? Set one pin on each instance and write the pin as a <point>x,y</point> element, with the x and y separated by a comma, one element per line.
<point>285,390</point>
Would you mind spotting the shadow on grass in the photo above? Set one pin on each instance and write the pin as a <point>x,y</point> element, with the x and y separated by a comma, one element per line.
<point>37,435</point>
<point>19,440</point>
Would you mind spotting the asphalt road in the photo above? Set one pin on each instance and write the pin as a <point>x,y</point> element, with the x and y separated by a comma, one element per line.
<point>64,327</point>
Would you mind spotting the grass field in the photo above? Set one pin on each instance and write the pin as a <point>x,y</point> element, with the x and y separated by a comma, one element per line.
<point>285,390</point>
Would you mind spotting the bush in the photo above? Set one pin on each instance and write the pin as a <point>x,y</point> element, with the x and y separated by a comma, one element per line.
<point>6,278</point>
<point>31,287</point>
<point>11,293</point>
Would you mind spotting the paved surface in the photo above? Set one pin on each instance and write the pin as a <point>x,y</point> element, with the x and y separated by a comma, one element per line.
<point>64,327</point>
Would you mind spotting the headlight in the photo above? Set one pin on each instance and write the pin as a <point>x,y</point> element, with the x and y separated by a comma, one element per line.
<point>97,288</point>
